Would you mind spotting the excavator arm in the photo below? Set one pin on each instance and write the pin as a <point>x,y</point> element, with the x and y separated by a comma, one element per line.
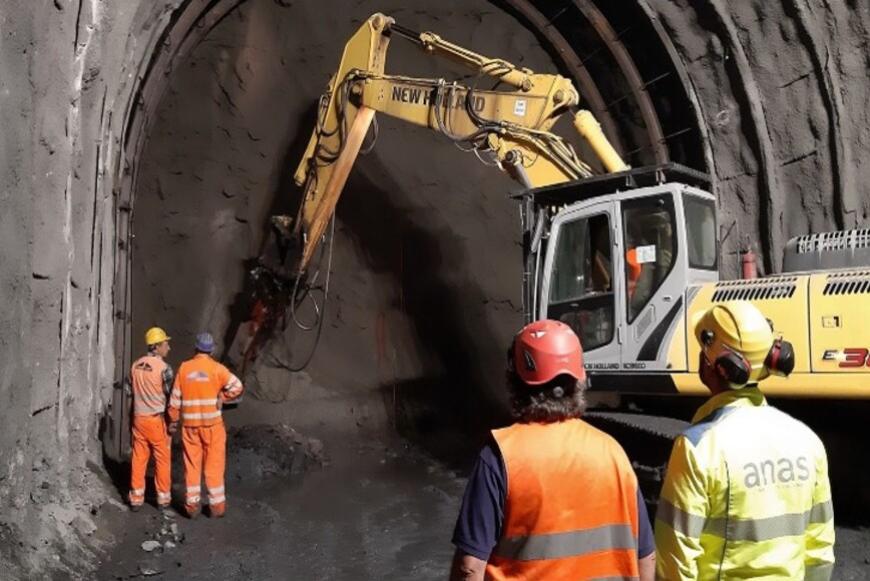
<point>510,127</point>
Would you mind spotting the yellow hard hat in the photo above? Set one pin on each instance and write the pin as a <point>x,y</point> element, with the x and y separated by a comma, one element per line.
<point>155,336</point>
<point>736,327</point>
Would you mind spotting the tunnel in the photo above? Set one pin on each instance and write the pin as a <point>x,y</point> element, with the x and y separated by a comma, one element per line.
<point>159,138</point>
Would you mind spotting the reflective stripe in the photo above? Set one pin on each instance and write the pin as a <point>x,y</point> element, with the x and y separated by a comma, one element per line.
<point>137,491</point>
<point>681,521</point>
<point>819,572</point>
<point>141,411</point>
<point>193,489</point>
<point>191,402</point>
<point>569,544</point>
<point>164,496</point>
<point>216,499</point>
<point>175,402</point>
<point>153,397</point>
<point>760,529</point>
<point>206,416</point>
<point>176,392</point>
<point>764,529</point>
<point>217,490</point>
<point>822,512</point>
<point>147,409</point>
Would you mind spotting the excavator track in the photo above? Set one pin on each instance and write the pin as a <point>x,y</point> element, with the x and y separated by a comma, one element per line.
<point>647,439</point>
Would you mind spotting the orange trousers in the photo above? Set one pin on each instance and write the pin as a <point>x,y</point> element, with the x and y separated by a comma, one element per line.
<point>150,437</point>
<point>205,447</point>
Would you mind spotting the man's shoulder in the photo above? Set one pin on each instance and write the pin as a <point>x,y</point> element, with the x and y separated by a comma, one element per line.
<point>709,424</point>
<point>578,429</point>
<point>793,427</point>
<point>149,362</point>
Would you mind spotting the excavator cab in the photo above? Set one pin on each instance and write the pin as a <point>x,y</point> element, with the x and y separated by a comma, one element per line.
<point>613,257</point>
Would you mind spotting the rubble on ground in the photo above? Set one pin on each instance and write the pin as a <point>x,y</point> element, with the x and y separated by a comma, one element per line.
<point>260,451</point>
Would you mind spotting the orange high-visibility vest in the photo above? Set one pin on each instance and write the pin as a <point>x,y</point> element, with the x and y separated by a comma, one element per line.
<point>634,269</point>
<point>149,396</point>
<point>571,506</point>
<point>199,386</point>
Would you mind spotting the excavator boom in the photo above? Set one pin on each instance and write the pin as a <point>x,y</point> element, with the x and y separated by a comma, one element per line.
<point>510,127</point>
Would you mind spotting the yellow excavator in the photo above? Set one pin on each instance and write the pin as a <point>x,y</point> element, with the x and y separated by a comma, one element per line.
<point>627,258</point>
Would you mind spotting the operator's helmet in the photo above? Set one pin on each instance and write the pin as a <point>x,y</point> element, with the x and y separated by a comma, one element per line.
<point>545,349</point>
<point>739,343</point>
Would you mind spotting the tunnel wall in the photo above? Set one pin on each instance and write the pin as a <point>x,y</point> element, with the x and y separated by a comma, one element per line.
<point>781,90</point>
<point>67,70</point>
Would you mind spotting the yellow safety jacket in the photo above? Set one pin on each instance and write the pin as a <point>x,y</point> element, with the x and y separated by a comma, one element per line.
<point>746,496</point>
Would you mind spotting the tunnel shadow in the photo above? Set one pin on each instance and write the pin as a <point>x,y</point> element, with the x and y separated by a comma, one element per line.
<point>448,409</point>
<point>285,201</point>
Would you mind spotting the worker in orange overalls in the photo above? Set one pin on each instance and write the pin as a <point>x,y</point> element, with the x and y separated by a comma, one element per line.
<point>201,388</point>
<point>551,497</point>
<point>152,382</point>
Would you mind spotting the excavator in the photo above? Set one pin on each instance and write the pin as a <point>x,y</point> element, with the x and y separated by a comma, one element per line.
<point>627,257</point>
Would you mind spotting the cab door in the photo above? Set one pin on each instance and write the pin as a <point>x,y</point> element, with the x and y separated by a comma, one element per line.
<point>580,285</point>
<point>654,271</point>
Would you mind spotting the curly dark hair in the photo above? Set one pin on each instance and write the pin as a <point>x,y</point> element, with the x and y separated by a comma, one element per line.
<point>557,400</point>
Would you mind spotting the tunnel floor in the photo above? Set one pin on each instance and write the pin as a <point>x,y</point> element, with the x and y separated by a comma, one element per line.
<point>374,509</point>
<point>362,508</point>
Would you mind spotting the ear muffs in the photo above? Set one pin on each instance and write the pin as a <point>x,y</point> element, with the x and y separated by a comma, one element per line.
<point>733,367</point>
<point>780,359</point>
<point>730,365</point>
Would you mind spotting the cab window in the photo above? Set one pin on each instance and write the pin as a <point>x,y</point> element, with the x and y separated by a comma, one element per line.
<point>701,232</point>
<point>650,248</point>
<point>581,281</point>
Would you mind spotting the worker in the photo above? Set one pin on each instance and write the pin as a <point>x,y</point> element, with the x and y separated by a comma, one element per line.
<point>152,382</point>
<point>201,388</point>
<point>551,497</point>
<point>746,493</point>
<point>633,269</point>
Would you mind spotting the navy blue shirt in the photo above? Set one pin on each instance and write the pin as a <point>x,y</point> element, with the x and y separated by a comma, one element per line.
<point>478,527</point>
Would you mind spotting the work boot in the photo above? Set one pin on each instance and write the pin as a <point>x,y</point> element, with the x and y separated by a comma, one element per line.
<point>135,507</point>
<point>192,511</point>
<point>217,510</point>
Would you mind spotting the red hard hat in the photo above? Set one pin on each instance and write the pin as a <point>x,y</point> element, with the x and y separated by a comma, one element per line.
<point>546,349</point>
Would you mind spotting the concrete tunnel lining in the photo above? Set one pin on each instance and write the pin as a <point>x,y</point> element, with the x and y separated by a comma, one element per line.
<point>782,154</point>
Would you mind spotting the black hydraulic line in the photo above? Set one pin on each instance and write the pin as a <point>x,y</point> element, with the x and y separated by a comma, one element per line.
<point>405,32</point>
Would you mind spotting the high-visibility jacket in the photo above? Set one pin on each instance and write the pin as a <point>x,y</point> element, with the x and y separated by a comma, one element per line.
<point>571,505</point>
<point>152,380</point>
<point>746,496</point>
<point>201,387</point>
<point>633,269</point>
